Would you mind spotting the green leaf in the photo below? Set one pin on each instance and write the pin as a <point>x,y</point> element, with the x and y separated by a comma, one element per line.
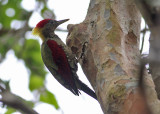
<point>48,97</point>
<point>16,6</point>
<point>32,57</point>
<point>18,50</point>
<point>6,43</point>
<point>35,82</point>
<point>10,110</point>
<point>47,13</point>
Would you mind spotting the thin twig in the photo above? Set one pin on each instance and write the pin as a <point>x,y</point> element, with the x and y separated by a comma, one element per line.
<point>144,33</point>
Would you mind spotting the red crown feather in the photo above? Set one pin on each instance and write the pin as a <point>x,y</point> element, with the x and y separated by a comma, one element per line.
<point>42,23</point>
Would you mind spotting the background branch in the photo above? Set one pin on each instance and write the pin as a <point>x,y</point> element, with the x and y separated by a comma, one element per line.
<point>10,99</point>
<point>150,10</point>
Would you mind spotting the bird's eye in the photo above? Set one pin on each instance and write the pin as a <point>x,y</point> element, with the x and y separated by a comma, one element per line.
<point>53,22</point>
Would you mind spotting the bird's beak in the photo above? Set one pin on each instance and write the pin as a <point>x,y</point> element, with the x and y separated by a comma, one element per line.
<point>61,21</point>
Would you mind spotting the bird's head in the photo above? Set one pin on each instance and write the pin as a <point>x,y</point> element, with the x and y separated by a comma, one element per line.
<point>46,28</point>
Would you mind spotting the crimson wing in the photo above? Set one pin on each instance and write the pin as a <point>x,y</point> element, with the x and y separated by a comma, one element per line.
<point>64,70</point>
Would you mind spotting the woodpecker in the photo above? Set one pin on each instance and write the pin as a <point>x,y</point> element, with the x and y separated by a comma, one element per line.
<point>58,57</point>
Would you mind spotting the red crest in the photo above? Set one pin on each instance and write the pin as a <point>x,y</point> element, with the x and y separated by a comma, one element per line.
<point>42,23</point>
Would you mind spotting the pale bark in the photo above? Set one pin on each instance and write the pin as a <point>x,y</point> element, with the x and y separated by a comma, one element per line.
<point>111,59</point>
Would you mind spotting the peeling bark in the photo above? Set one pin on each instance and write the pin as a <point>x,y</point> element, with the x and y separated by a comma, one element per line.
<point>111,59</point>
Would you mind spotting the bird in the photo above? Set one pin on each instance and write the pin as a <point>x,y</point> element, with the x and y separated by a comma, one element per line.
<point>58,57</point>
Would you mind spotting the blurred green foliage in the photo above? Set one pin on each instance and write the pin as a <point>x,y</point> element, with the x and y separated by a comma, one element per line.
<point>10,110</point>
<point>25,48</point>
<point>49,98</point>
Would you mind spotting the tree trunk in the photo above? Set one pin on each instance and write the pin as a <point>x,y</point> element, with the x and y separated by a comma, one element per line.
<point>108,39</point>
